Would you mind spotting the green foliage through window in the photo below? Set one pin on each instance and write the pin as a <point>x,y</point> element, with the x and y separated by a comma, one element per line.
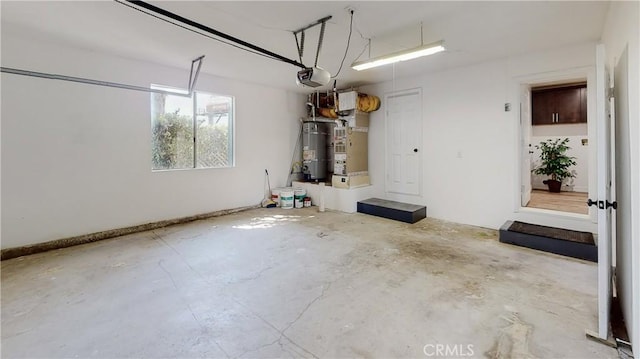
<point>194,132</point>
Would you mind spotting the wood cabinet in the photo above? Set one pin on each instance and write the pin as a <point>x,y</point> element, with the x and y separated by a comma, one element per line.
<point>560,105</point>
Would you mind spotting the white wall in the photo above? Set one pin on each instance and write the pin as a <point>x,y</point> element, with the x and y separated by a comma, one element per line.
<point>76,158</point>
<point>463,111</point>
<point>576,133</point>
<point>622,29</point>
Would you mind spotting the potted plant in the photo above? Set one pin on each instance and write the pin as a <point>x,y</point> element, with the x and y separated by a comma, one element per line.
<point>555,163</point>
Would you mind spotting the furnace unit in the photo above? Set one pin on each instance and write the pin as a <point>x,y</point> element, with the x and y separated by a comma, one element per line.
<point>351,150</point>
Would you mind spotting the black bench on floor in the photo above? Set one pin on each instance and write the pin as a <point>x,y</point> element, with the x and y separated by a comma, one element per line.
<point>549,239</point>
<point>404,212</point>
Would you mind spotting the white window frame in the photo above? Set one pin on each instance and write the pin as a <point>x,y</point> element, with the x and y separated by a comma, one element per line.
<point>231,150</point>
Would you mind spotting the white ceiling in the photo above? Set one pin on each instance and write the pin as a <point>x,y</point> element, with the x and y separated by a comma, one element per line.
<point>473,32</point>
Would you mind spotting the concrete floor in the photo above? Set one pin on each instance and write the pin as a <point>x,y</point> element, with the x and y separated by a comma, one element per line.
<point>298,283</point>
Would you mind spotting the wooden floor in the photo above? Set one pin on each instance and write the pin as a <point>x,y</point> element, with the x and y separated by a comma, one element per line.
<point>574,202</point>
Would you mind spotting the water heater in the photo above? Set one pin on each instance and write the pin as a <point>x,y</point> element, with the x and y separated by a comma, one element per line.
<point>314,150</point>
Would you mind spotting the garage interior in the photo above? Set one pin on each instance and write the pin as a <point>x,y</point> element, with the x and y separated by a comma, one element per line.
<point>218,179</point>
<point>271,283</point>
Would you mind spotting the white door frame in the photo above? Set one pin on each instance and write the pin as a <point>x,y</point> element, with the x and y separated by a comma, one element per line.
<point>605,239</point>
<point>525,144</point>
<point>578,73</point>
<point>417,90</point>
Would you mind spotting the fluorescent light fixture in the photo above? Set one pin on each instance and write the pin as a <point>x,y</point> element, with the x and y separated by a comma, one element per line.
<point>404,55</point>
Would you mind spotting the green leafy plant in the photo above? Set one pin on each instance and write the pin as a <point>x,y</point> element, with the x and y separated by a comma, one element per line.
<point>172,142</point>
<point>554,160</point>
<point>172,137</point>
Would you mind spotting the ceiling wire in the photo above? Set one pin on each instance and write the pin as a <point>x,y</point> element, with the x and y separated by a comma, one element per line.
<point>355,27</point>
<point>197,32</point>
<point>347,49</point>
<point>368,45</point>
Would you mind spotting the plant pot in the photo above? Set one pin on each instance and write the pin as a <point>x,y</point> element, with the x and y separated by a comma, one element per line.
<point>554,186</point>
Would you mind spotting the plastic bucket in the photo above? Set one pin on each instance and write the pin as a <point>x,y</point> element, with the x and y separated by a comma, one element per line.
<point>275,195</point>
<point>298,197</point>
<point>286,198</point>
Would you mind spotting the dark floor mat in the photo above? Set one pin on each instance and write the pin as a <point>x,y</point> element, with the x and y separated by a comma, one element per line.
<point>550,232</point>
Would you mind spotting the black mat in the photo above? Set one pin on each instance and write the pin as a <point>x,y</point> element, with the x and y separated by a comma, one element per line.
<point>551,232</point>
<point>404,212</point>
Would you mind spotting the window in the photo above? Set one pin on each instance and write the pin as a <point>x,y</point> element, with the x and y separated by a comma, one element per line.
<point>191,132</point>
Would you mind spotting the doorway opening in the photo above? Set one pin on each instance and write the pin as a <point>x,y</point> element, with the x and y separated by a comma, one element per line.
<point>554,116</point>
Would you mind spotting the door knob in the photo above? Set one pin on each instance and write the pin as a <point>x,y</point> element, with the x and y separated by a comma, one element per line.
<point>415,150</point>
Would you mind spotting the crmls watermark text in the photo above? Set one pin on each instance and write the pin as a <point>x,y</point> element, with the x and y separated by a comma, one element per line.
<point>448,350</point>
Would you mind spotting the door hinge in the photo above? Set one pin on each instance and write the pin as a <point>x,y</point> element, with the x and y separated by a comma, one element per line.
<point>610,92</point>
<point>602,204</point>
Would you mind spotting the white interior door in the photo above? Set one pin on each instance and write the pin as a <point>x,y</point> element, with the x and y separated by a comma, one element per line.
<point>623,217</point>
<point>525,144</point>
<point>605,239</point>
<point>404,141</point>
